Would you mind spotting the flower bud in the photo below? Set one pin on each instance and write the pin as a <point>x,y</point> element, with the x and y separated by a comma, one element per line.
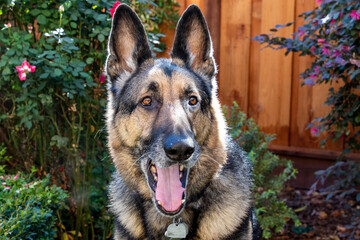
<point>61,9</point>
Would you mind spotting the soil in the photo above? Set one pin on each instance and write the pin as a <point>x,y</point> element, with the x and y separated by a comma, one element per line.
<point>335,218</point>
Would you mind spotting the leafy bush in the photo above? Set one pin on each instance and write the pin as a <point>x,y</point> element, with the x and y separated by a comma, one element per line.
<point>331,37</point>
<point>52,105</point>
<point>272,212</point>
<point>28,207</point>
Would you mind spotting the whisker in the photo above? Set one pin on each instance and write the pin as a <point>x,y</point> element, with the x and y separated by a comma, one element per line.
<point>211,158</point>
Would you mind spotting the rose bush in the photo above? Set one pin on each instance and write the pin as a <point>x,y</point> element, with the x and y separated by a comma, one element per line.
<point>53,95</point>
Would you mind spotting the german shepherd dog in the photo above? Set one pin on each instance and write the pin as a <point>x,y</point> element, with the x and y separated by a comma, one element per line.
<point>175,161</point>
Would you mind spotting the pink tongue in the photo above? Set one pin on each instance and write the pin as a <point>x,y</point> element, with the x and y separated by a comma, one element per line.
<point>169,190</point>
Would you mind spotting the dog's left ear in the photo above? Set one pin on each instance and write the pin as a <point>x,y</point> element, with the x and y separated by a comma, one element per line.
<point>128,45</point>
<point>192,42</point>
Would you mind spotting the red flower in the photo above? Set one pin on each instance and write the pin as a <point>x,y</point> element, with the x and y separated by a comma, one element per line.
<point>354,15</point>
<point>112,11</point>
<point>314,131</point>
<point>102,78</point>
<point>332,21</point>
<point>62,168</point>
<point>24,69</point>
<point>312,49</point>
<point>325,51</point>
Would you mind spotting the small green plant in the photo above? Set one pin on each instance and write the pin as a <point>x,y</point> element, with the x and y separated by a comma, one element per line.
<point>271,210</point>
<point>28,207</point>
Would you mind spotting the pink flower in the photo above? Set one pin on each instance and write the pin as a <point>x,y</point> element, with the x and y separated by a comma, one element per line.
<point>15,177</point>
<point>314,131</point>
<point>332,21</point>
<point>301,33</point>
<point>7,25</point>
<point>112,11</point>
<point>102,78</point>
<point>318,2</point>
<point>336,53</point>
<point>354,15</point>
<point>312,49</point>
<point>310,80</point>
<point>7,187</point>
<point>316,70</point>
<point>341,15</point>
<point>24,69</point>
<point>345,48</point>
<point>325,51</point>
<point>3,183</point>
<point>321,40</point>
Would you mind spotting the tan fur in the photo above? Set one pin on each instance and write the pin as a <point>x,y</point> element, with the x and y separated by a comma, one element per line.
<point>218,194</point>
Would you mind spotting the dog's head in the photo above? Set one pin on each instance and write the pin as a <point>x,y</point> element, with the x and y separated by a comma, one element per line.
<point>165,127</point>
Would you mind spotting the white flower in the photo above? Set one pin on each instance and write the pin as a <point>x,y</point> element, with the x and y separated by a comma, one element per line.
<point>61,9</point>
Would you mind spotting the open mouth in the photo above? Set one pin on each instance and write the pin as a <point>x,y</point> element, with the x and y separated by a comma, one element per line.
<point>169,185</point>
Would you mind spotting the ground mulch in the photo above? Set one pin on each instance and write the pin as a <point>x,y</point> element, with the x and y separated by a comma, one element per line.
<point>336,218</point>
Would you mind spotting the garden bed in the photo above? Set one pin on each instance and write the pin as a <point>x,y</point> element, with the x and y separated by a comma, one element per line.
<point>336,218</point>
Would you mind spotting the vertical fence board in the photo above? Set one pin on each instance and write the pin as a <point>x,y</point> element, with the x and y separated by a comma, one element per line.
<point>253,107</point>
<point>307,102</point>
<point>234,51</point>
<point>274,83</point>
<point>212,10</point>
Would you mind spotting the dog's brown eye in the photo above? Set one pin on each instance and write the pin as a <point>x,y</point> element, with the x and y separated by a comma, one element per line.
<point>146,101</point>
<point>193,100</point>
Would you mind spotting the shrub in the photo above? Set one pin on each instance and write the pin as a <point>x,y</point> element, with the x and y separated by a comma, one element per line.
<point>331,36</point>
<point>28,207</point>
<point>52,105</point>
<point>272,212</point>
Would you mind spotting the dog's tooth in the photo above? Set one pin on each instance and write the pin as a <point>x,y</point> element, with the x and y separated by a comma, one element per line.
<point>180,176</point>
<point>153,169</point>
<point>181,168</point>
<point>182,201</point>
<point>159,203</point>
<point>155,178</point>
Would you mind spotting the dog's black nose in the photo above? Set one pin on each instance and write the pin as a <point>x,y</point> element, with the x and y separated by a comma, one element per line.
<point>178,148</point>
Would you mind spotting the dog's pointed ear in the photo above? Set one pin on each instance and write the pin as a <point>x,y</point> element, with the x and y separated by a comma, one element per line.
<point>128,46</point>
<point>192,42</point>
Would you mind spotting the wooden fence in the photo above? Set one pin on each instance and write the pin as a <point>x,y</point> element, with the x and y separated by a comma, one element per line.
<point>265,82</point>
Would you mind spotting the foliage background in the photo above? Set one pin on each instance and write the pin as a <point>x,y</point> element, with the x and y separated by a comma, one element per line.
<point>269,171</point>
<point>331,35</point>
<point>52,123</point>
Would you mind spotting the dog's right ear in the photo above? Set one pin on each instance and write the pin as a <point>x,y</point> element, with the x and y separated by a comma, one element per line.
<point>128,46</point>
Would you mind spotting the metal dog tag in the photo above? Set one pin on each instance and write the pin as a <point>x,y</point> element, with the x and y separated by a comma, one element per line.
<point>177,230</point>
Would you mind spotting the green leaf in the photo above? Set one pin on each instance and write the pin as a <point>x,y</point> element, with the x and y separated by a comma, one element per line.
<point>89,60</point>
<point>101,37</point>
<point>41,19</point>
<point>28,124</point>
<point>73,24</point>
<point>35,12</point>
<point>28,37</point>
<point>47,13</point>
<point>10,52</point>
<point>6,71</point>
<point>357,119</point>
<point>57,72</point>
<point>44,75</point>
